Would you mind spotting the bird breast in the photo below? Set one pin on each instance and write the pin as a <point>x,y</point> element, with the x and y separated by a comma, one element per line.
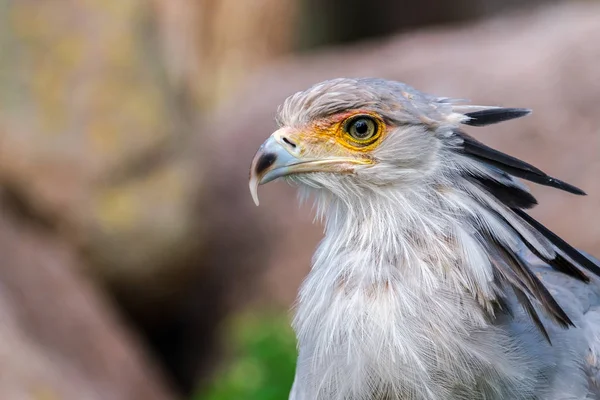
<point>382,320</point>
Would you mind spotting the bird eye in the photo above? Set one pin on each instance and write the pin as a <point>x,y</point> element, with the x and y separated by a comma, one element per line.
<point>362,128</point>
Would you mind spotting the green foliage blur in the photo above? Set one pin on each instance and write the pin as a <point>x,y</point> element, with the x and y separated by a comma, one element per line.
<point>262,362</point>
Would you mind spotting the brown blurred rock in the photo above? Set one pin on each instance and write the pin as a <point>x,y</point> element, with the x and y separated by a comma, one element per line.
<point>97,99</point>
<point>211,45</point>
<point>81,103</point>
<point>546,60</point>
<point>59,337</point>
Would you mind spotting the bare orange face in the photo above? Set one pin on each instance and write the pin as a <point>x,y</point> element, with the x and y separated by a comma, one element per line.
<point>349,134</point>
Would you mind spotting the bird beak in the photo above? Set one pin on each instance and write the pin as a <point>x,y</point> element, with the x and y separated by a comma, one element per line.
<point>279,156</point>
<point>271,161</point>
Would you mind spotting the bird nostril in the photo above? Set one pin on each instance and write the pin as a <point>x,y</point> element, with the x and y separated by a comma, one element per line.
<point>288,141</point>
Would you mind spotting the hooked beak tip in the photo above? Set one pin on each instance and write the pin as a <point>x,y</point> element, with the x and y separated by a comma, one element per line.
<point>269,163</point>
<point>254,182</point>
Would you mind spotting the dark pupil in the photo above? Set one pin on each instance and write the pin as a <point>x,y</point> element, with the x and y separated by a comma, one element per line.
<point>361,128</point>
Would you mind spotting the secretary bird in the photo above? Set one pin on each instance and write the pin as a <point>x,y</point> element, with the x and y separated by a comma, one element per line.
<point>432,281</point>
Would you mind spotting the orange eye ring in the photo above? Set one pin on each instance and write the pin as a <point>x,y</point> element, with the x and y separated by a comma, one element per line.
<point>362,130</point>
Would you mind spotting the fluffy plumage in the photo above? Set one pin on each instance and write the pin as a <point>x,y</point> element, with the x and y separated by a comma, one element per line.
<point>431,281</point>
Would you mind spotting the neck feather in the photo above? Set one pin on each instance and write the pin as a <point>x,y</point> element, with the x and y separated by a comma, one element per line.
<point>392,277</point>
<point>416,238</point>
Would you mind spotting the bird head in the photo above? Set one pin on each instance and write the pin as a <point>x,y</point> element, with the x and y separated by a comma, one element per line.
<point>357,135</point>
<point>354,135</point>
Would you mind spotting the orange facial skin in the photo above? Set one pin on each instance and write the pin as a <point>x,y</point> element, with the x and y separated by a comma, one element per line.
<point>329,137</point>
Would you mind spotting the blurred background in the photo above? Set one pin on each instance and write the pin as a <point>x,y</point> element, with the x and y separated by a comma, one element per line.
<point>133,263</point>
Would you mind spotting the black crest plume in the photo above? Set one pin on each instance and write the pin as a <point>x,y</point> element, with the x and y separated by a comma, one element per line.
<point>499,191</point>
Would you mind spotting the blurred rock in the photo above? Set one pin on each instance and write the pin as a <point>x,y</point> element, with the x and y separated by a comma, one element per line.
<point>546,60</point>
<point>59,337</point>
<point>211,45</point>
<point>82,104</point>
<point>98,100</point>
